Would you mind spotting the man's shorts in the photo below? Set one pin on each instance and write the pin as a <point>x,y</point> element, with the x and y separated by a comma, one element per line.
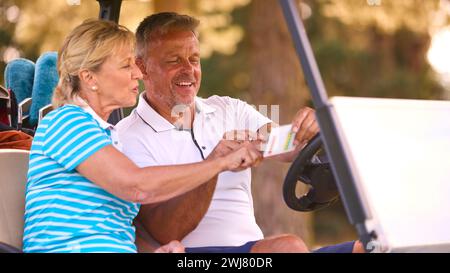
<point>339,248</point>
<point>245,248</point>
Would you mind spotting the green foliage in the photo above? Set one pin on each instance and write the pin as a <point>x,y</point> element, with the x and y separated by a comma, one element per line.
<point>354,59</point>
<point>392,66</point>
<point>228,75</point>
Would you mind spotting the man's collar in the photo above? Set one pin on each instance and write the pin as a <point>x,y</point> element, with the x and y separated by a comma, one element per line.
<point>151,117</point>
<point>157,122</point>
<point>200,106</point>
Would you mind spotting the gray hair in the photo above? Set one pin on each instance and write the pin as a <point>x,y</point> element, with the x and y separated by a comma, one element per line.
<point>158,24</point>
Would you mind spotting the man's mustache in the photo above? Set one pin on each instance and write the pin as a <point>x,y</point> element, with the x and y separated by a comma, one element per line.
<point>185,78</point>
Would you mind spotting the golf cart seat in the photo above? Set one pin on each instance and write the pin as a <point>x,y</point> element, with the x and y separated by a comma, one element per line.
<point>13,170</point>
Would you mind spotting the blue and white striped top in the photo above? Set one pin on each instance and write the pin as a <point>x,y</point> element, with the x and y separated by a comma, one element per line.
<point>64,211</point>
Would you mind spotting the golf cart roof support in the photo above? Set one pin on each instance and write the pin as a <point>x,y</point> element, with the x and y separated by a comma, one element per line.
<point>355,209</point>
<point>110,11</point>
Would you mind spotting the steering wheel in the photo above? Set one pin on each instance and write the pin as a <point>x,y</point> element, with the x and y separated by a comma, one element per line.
<point>312,168</point>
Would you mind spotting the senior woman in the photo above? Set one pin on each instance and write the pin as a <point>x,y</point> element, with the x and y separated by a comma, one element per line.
<point>82,193</point>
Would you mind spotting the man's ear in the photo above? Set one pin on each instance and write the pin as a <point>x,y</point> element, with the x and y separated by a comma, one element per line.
<point>140,63</point>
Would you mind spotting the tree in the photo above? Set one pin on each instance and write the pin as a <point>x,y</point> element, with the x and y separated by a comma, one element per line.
<point>275,79</point>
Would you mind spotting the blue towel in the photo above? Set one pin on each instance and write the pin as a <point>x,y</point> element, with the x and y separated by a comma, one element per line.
<point>19,77</point>
<point>45,81</point>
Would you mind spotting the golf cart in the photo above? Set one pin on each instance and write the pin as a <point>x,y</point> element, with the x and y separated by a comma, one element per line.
<point>383,195</point>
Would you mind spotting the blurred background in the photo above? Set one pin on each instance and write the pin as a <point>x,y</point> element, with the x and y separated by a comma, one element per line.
<point>364,48</point>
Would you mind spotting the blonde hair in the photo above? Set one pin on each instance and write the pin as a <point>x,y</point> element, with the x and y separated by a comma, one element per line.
<point>86,47</point>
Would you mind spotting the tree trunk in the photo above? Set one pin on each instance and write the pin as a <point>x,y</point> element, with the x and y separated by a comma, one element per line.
<point>170,5</point>
<point>276,79</point>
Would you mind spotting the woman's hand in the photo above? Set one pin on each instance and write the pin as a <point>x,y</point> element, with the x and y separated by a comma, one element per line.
<point>238,150</point>
<point>246,155</point>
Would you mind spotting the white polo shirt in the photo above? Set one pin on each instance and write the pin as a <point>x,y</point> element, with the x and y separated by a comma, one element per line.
<point>148,139</point>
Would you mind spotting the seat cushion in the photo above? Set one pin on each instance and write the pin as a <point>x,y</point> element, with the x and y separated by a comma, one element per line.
<point>13,173</point>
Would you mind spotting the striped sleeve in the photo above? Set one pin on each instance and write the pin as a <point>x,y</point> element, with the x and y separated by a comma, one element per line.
<point>72,136</point>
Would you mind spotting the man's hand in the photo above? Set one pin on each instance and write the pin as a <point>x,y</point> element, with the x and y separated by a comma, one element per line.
<point>172,247</point>
<point>305,126</point>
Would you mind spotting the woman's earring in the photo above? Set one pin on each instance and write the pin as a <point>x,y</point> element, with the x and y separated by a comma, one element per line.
<point>94,88</point>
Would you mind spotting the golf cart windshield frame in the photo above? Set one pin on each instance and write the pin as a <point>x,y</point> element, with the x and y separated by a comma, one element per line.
<point>355,208</point>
